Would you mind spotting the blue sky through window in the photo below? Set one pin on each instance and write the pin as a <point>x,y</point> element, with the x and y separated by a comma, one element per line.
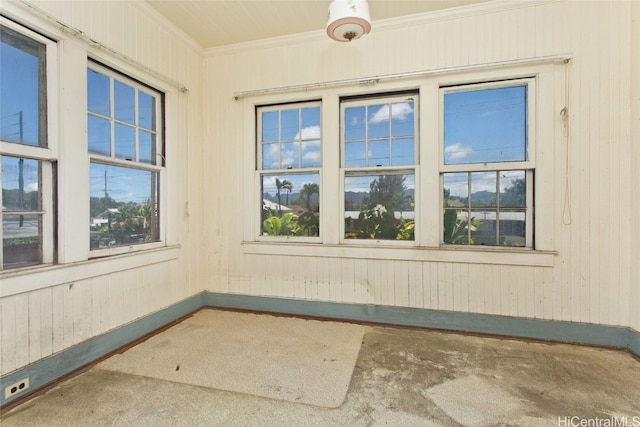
<point>380,135</point>
<point>19,89</point>
<point>485,125</point>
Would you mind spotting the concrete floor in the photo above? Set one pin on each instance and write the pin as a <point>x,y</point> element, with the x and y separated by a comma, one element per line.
<point>402,377</point>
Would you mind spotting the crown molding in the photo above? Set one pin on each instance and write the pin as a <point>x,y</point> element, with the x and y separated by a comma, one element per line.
<point>391,24</point>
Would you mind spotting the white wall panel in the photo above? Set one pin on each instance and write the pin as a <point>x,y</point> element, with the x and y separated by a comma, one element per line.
<point>590,279</point>
<point>51,315</point>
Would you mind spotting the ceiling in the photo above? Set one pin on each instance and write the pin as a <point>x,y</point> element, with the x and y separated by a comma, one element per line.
<point>214,23</point>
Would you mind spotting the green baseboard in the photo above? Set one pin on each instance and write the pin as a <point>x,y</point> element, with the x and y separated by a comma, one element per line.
<point>549,330</point>
<point>51,369</point>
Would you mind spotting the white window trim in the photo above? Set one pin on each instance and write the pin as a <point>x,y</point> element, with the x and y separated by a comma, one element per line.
<point>123,75</point>
<point>46,155</point>
<point>549,99</point>
<point>370,170</point>
<point>259,172</point>
<point>528,165</point>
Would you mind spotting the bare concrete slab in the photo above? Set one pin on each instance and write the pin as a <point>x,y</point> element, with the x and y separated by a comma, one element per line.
<point>402,377</point>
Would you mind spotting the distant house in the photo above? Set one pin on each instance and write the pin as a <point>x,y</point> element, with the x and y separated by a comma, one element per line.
<point>103,217</point>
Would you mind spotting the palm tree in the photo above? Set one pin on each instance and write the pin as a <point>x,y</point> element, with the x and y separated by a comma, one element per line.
<point>284,184</point>
<point>307,192</point>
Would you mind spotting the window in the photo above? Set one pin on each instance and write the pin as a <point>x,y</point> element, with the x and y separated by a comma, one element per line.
<point>289,169</point>
<point>125,143</point>
<point>486,169</point>
<point>26,161</point>
<point>379,137</point>
<point>448,163</point>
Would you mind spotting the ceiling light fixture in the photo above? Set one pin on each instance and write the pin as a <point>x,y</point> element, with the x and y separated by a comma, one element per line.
<point>348,20</point>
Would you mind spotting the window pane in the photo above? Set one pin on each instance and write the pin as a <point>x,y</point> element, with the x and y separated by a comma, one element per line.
<point>483,189</point>
<point>147,147</point>
<point>99,136</point>
<point>291,205</point>
<point>98,93</point>
<point>486,125</point>
<point>455,204</point>
<point>483,227</point>
<point>20,184</point>
<point>271,156</point>
<point>354,123</point>
<point>514,189</point>
<point>311,123</point>
<point>403,150</point>
<point>311,154</point>
<point>270,126</point>
<point>388,132</point>
<point>125,142</point>
<point>378,153</point>
<point>123,206</point>
<point>354,154</point>
<point>290,125</point>
<point>146,111</point>
<point>402,119</point>
<point>290,155</point>
<point>21,240</point>
<point>21,192</point>
<point>488,218</point>
<point>380,206</point>
<point>512,228</point>
<point>124,102</point>
<point>22,89</point>
<point>378,126</point>
<point>290,138</point>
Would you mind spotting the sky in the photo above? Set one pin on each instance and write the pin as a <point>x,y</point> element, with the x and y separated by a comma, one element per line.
<point>484,126</point>
<point>18,95</point>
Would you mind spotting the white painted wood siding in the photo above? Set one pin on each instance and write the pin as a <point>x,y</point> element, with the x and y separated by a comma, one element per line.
<point>590,277</point>
<point>48,310</point>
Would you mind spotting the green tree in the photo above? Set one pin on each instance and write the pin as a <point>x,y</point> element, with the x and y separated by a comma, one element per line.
<point>516,195</point>
<point>307,192</point>
<point>389,191</point>
<point>282,185</point>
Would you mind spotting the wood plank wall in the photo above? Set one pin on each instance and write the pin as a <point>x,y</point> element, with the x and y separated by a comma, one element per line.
<point>59,312</point>
<point>590,280</point>
<point>594,278</point>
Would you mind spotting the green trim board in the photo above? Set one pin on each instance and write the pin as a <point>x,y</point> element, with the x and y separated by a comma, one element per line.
<point>548,330</point>
<point>52,368</point>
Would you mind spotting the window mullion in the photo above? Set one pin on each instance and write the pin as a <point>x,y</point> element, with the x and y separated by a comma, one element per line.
<point>498,208</point>
<point>112,126</point>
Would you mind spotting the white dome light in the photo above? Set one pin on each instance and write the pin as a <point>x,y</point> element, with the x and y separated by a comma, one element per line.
<point>348,20</point>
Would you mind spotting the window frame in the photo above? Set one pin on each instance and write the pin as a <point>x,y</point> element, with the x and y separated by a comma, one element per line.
<point>46,153</point>
<point>528,164</point>
<point>260,172</point>
<point>376,98</point>
<point>159,167</point>
<point>549,98</point>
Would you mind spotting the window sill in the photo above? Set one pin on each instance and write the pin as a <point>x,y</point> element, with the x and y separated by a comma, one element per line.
<point>493,256</point>
<point>44,276</point>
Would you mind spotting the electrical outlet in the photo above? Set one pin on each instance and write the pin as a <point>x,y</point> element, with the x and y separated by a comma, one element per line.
<point>15,388</point>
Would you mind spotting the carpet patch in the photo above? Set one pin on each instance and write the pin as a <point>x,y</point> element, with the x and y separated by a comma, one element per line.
<point>284,358</point>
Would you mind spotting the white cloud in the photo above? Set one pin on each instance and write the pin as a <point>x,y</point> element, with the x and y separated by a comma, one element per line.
<point>310,132</point>
<point>313,156</point>
<point>31,187</point>
<point>457,151</point>
<point>398,111</point>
